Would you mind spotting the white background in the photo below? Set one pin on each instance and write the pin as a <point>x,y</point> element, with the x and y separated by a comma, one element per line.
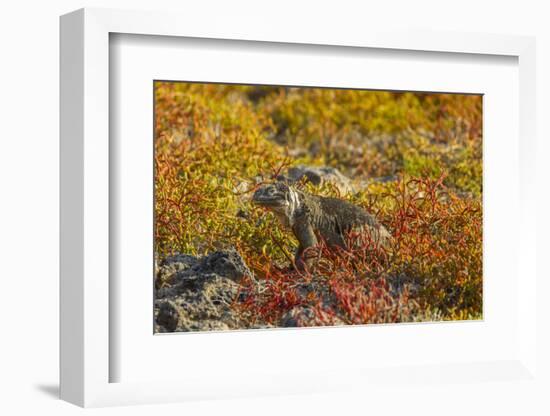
<point>29,205</point>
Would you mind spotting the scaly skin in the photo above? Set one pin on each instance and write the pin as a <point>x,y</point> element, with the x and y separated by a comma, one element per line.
<point>311,217</point>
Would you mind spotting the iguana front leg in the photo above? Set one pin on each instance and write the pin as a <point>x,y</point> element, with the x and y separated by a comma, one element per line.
<point>306,238</point>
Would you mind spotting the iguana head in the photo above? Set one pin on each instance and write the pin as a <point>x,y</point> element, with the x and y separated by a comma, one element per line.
<point>280,198</point>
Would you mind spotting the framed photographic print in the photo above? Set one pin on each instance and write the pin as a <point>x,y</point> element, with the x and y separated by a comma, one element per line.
<point>270,213</point>
<point>369,206</point>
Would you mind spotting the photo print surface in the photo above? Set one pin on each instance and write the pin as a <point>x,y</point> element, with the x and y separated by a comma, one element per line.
<point>284,207</point>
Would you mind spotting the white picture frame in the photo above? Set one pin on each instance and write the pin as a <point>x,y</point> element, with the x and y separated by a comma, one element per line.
<point>86,356</point>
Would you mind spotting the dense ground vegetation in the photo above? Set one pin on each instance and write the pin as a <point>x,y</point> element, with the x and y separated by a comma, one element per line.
<point>415,161</point>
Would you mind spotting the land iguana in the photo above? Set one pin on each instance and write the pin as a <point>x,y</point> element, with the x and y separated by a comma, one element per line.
<point>312,217</point>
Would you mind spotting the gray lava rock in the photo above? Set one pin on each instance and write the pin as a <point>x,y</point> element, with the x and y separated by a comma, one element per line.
<point>228,263</point>
<point>319,176</point>
<point>298,316</point>
<point>172,265</point>
<point>168,315</point>
<point>200,292</point>
<point>201,308</point>
<point>399,283</point>
<point>304,316</point>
